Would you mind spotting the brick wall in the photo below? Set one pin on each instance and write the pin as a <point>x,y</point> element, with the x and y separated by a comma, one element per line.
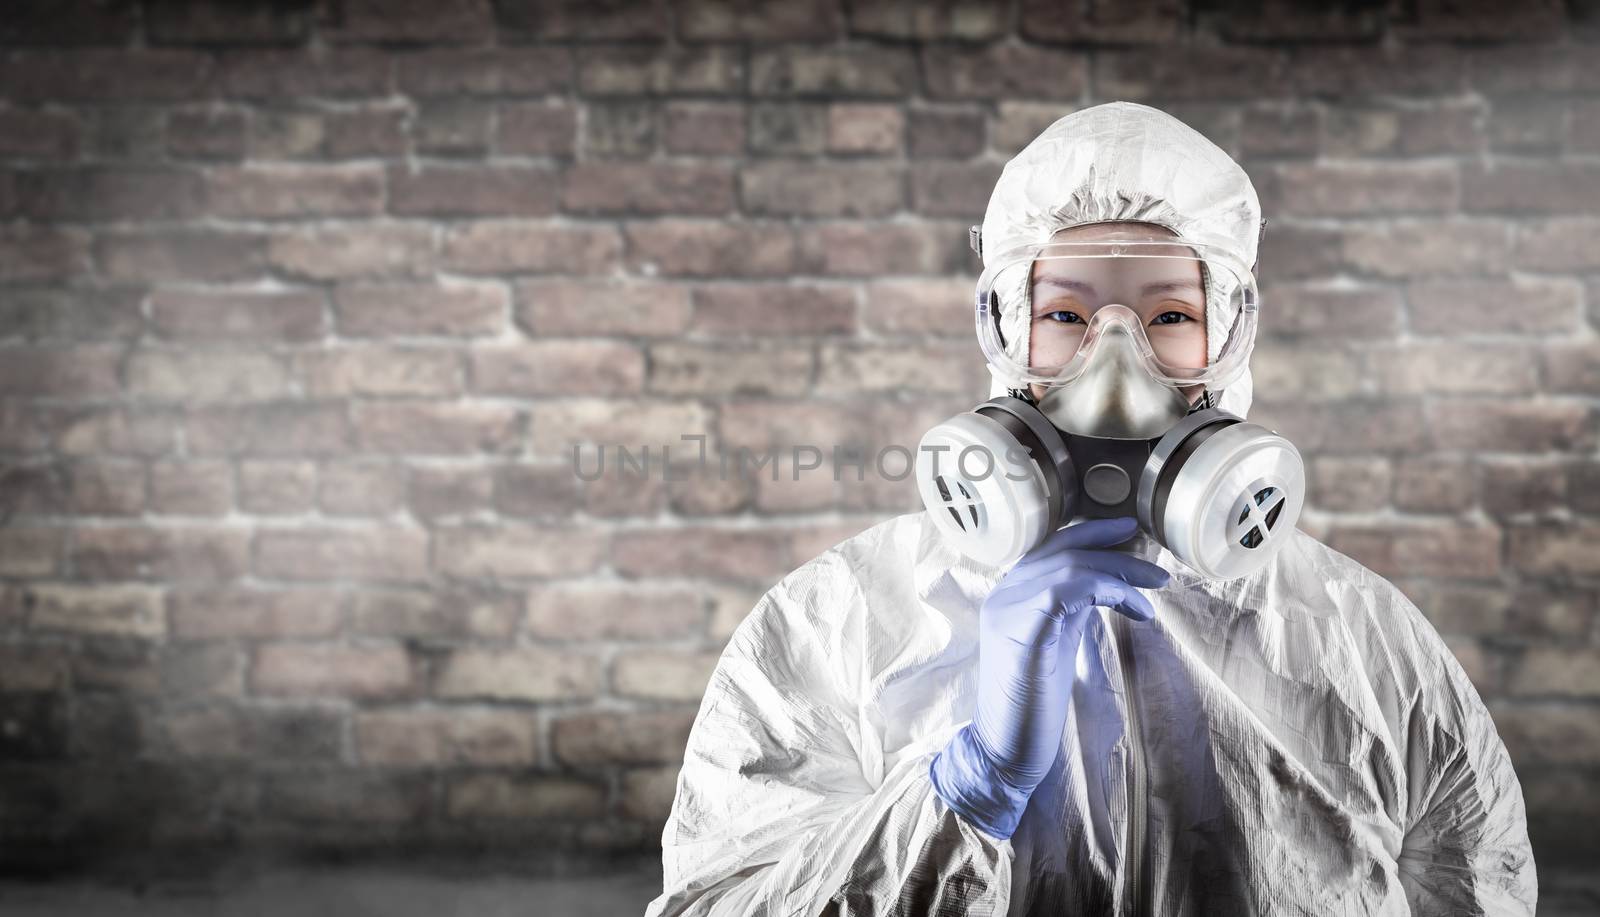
<point>303,306</point>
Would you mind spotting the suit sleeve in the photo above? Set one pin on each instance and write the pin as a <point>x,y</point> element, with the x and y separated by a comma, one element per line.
<point>1466,850</point>
<point>785,804</point>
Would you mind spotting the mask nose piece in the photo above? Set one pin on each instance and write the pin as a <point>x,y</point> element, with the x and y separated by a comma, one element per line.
<point>1114,397</point>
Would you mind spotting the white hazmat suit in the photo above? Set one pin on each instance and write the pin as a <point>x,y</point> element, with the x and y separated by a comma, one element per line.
<point>1301,738</point>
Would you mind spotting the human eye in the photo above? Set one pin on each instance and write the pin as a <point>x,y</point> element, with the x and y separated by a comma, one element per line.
<point>1178,318</point>
<point>1063,316</point>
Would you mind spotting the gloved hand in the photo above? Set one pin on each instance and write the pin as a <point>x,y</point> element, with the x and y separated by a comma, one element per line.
<point>1029,629</point>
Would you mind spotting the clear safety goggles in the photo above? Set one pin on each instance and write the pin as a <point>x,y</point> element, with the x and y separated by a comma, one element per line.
<point>1043,309</point>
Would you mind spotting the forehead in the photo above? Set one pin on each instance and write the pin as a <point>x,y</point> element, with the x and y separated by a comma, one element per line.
<point>1122,229</point>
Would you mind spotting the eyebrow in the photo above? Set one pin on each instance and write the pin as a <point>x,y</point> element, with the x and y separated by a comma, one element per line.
<point>1158,286</point>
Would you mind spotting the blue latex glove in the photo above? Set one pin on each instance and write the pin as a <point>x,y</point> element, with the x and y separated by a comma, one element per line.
<point>1028,634</point>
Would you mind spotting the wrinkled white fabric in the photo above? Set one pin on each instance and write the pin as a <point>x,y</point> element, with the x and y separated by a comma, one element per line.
<point>1309,744</point>
<point>1311,747</point>
<point>1123,161</point>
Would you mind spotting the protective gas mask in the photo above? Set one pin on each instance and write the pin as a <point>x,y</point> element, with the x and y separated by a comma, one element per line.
<point>1113,332</point>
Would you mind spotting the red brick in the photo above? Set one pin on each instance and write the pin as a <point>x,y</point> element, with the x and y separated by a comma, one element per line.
<point>1446,549</point>
<point>530,247</point>
<point>1007,71</point>
<point>730,367</point>
<point>938,307</point>
<point>392,309</point>
<point>249,734</point>
<point>276,488</point>
<point>821,189</point>
<point>557,368</point>
<point>833,72</point>
<point>447,613</point>
<point>517,674</point>
<point>472,191</point>
<point>1557,244</point>
<point>278,428</point>
<point>238,315</point>
<point>955,190</point>
<point>436,21</point>
<point>435,492</point>
<point>228,612</point>
<point>125,610</point>
<point>788,129</point>
<point>177,22</point>
<point>424,427</point>
<point>446,738</point>
<point>536,129</point>
<point>1514,486</point>
<point>1555,548</point>
<point>105,75</point>
<point>522,71</point>
<point>208,133</point>
<point>782,20</point>
<point>106,487</point>
<point>355,250</point>
<point>1487,21</point>
<point>1572,367</point>
<point>661,70</point>
<point>619,129</point>
<point>1431,484</point>
<point>35,254</point>
<point>272,192</point>
<point>704,128</point>
<point>73,22</point>
<point>1368,188</point>
<point>615,187</point>
<point>633,612</point>
<point>517,550</point>
<point>711,249</point>
<point>380,371</point>
<point>195,376</point>
<point>190,552</point>
<point>543,20</point>
<point>648,793</point>
<point>30,551</point>
<point>321,670</point>
<point>1510,425</point>
<point>753,308</point>
<point>109,194</point>
<point>1537,187</point>
<point>559,424</point>
<point>537,490</point>
<point>497,796</point>
<point>1548,733</point>
<point>1421,247</point>
<point>717,552</point>
<point>662,674</point>
<point>92,430</point>
<point>61,372</point>
<point>1421,367</point>
<point>346,797</point>
<point>363,488</point>
<point>904,19</point>
<point>184,487</point>
<point>200,671</point>
<point>1467,307</point>
<point>549,307</point>
<point>1343,71</point>
<point>362,134</point>
<point>48,135</point>
<point>156,255</point>
<point>388,553</point>
<point>655,737</point>
<point>305,74</point>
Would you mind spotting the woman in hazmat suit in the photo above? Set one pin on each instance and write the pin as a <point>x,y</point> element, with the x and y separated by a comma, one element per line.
<point>1095,689</point>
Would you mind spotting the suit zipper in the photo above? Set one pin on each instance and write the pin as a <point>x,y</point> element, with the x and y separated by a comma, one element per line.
<point>1137,777</point>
